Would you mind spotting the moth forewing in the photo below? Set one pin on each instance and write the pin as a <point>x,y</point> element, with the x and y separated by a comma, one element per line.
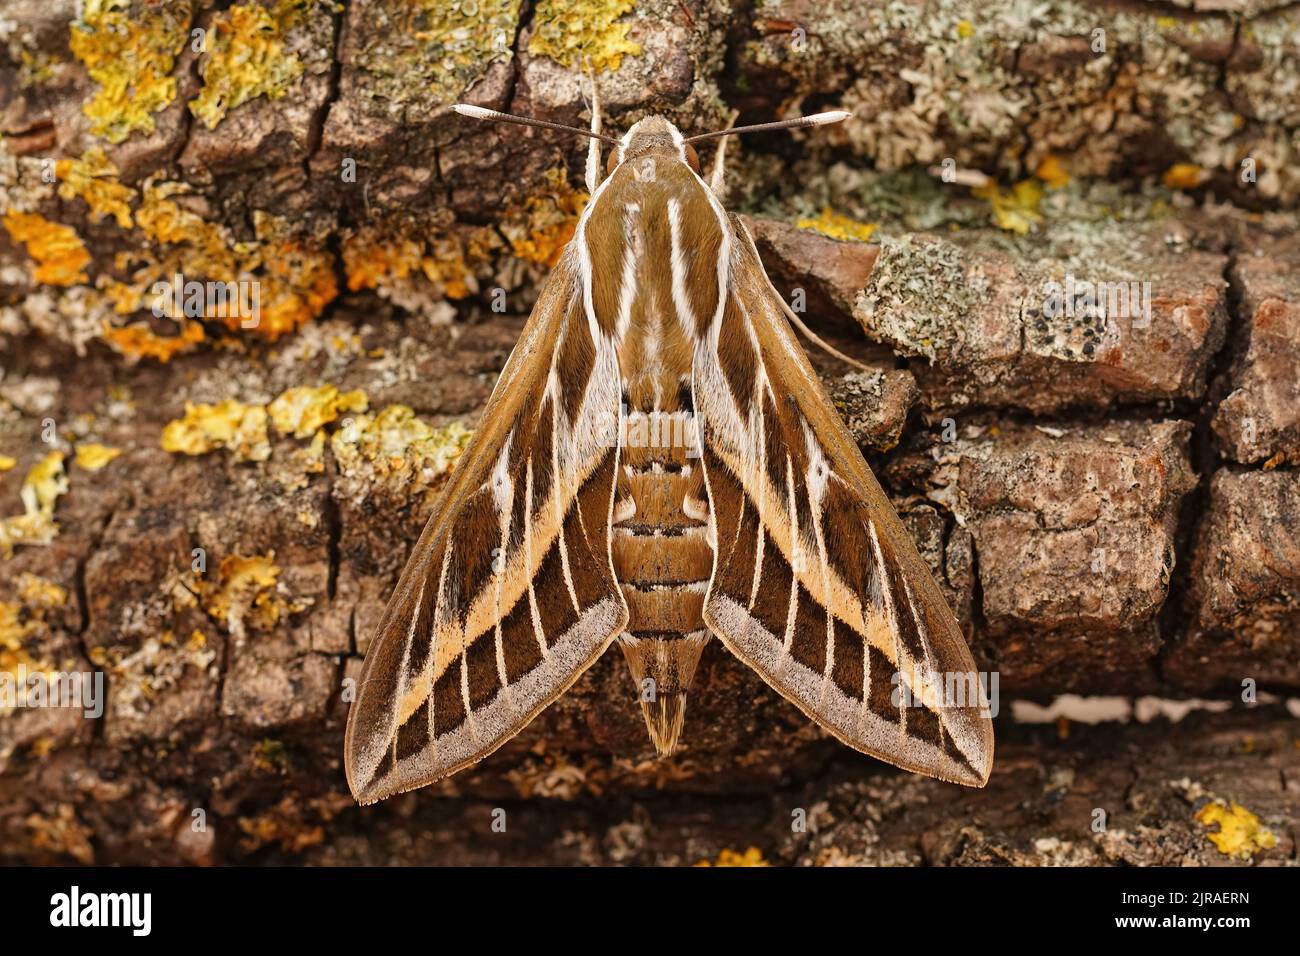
<point>508,596</point>
<point>824,593</point>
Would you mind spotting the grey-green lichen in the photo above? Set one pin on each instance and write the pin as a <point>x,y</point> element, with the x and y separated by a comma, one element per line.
<point>435,48</point>
<point>1000,87</point>
<point>918,293</point>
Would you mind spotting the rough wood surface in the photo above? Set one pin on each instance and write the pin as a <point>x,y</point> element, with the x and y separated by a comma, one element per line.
<point>1112,506</point>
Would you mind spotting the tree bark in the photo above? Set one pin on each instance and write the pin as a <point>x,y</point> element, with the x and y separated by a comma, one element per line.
<point>211,512</point>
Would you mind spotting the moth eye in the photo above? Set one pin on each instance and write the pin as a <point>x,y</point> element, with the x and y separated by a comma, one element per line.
<point>692,158</point>
<point>612,163</point>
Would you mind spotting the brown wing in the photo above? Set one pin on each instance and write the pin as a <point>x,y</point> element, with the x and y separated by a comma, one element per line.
<point>816,584</point>
<point>509,594</point>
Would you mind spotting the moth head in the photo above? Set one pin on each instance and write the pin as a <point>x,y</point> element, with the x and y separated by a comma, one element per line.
<point>654,134</point>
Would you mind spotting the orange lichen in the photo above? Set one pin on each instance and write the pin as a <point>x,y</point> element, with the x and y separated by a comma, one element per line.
<point>60,255</point>
<point>293,276</point>
<point>297,283</point>
<point>139,341</point>
<point>1052,171</point>
<point>1184,176</point>
<point>367,260</point>
<point>373,257</point>
<point>751,857</point>
<point>540,231</point>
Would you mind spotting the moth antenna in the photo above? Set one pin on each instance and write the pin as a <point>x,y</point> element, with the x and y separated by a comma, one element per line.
<point>818,341</point>
<point>816,119</point>
<point>812,336</point>
<point>593,145</point>
<point>479,112</point>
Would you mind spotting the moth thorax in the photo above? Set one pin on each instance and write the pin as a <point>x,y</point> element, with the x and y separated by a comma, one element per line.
<point>654,133</point>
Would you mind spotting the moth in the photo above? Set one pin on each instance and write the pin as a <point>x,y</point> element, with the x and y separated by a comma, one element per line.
<point>659,464</point>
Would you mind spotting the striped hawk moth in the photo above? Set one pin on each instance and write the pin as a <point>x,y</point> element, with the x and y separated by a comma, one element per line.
<point>657,465</point>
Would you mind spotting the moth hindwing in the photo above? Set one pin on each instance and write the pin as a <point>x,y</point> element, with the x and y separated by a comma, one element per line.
<point>659,464</point>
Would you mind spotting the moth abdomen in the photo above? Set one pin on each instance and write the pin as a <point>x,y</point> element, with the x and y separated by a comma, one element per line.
<point>662,561</point>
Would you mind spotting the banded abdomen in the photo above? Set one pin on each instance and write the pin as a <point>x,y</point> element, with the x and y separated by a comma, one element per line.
<point>655,276</point>
<point>662,561</point>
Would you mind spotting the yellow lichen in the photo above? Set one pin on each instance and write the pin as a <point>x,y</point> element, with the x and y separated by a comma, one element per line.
<point>131,60</point>
<point>304,462</point>
<point>245,594</point>
<point>19,622</point>
<point>228,424</point>
<point>246,58</point>
<point>575,32</point>
<point>61,832</point>
<point>37,67</point>
<point>40,594</point>
<point>438,49</point>
<point>58,251</point>
<point>269,754</point>
<point>93,456</point>
<point>1014,209</point>
<point>303,410</point>
<point>15,628</point>
<point>93,178</point>
<point>838,226</point>
<point>163,220</point>
<point>44,483</point>
<point>1240,833</point>
<point>751,857</point>
<point>395,438</point>
<point>965,29</point>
